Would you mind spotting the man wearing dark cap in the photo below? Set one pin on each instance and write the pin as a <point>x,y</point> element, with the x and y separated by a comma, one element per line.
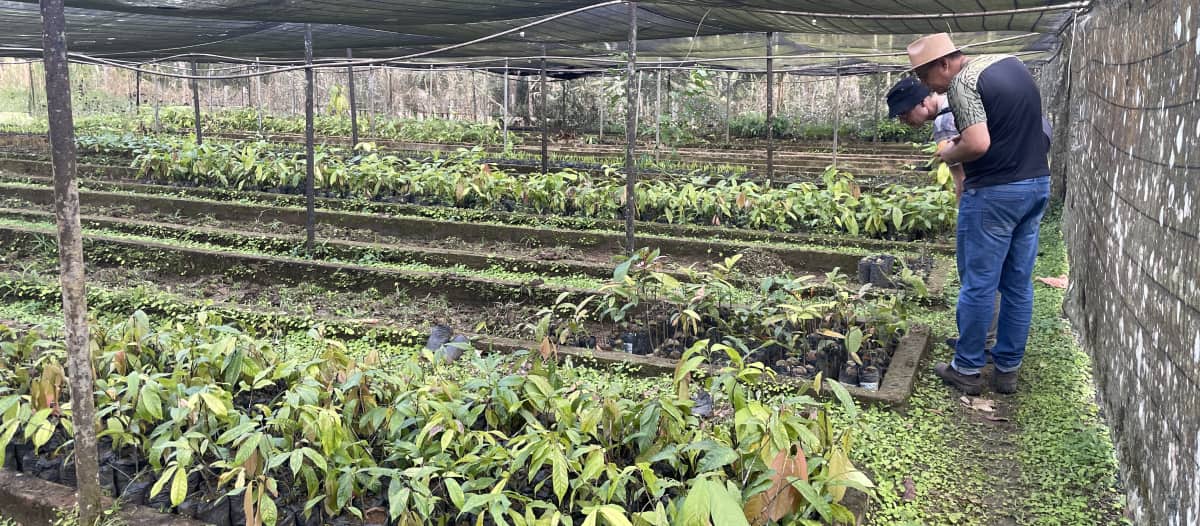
<point>1002,148</point>
<point>913,104</point>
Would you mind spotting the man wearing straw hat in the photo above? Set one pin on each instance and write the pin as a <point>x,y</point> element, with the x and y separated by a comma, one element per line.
<point>1002,149</point>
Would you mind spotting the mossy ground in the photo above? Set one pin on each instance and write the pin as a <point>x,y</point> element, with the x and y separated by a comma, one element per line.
<point>1045,455</point>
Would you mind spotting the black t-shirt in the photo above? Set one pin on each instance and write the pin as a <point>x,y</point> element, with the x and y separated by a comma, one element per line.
<point>999,90</point>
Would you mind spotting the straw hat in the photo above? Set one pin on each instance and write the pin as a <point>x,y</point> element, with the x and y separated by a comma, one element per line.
<point>930,48</point>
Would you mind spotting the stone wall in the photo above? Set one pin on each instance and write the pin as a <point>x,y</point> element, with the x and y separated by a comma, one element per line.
<point>1132,163</point>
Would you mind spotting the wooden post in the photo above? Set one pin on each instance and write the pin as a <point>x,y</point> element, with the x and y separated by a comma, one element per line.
<point>353,102</point>
<point>658,106</point>
<point>728,96</point>
<point>474,99</point>
<point>631,121</point>
<point>137,94</point>
<point>770,105</point>
<point>545,121</point>
<point>310,224</point>
<point>258,96</point>
<point>562,105</point>
<point>391,108</point>
<point>70,259</point>
<point>196,104</point>
<point>32,92</point>
<point>371,101</point>
<point>505,123</point>
<point>603,104</point>
<point>837,110</point>
<point>875,112</point>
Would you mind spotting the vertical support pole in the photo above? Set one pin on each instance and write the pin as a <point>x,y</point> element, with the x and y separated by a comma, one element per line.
<point>371,83</point>
<point>32,87</point>
<point>562,105</point>
<point>258,95</point>
<point>196,104</point>
<point>353,101</point>
<point>474,99</point>
<point>70,257</point>
<point>658,105</point>
<point>875,112</point>
<point>603,105</point>
<point>507,80</point>
<point>544,117</point>
<point>391,108</point>
<point>310,224</point>
<point>631,116</point>
<point>837,109</point>
<point>770,105</point>
<point>670,99</point>
<point>137,94</point>
<point>728,96</point>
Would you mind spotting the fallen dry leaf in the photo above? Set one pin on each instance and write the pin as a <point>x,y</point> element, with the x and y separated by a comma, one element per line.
<point>547,349</point>
<point>910,490</point>
<point>1060,282</point>
<point>781,499</point>
<point>978,404</point>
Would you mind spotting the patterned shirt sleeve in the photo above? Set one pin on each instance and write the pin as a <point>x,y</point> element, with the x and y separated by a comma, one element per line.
<point>966,103</point>
<point>964,94</point>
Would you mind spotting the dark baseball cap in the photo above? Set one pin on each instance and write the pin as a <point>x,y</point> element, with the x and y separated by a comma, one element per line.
<point>905,95</point>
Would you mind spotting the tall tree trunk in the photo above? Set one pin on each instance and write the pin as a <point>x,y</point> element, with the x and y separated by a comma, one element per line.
<point>70,258</point>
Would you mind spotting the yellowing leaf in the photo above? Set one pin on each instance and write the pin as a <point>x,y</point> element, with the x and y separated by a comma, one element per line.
<point>179,487</point>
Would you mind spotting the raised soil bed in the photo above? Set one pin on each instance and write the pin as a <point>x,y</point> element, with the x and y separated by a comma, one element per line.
<point>685,249</point>
<point>125,179</point>
<point>31,501</point>
<point>896,385</point>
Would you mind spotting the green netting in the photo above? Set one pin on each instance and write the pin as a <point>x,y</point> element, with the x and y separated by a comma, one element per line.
<point>860,32</point>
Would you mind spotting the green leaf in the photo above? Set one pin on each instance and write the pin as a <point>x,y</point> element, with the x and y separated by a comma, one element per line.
<point>150,402</point>
<point>455,491</point>
<point>247,449</point>
<point>267,511</point>
<point>316,458</point>
<point>813,498</point>
<point>716,455</point>
<point>727,508</point>
<point>843,396</point>
<point>345,490</point>
<point>39,428</point>
<point>696,507</point>
<point>558,464</point>
<point>214,404</point>
<point>854,340</point>
<point>614,515</point>
<point>162,480</point>
<point>295,461</point>
<point>179,487</point>
<point>622,270</point>
<point>594,465</point>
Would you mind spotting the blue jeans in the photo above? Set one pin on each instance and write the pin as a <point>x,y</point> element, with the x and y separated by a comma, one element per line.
<point>997,246</point>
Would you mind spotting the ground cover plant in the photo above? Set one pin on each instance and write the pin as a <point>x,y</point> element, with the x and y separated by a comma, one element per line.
<point>204,418</point>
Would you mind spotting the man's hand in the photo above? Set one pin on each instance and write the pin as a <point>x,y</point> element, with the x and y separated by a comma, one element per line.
<point>972,144</point>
